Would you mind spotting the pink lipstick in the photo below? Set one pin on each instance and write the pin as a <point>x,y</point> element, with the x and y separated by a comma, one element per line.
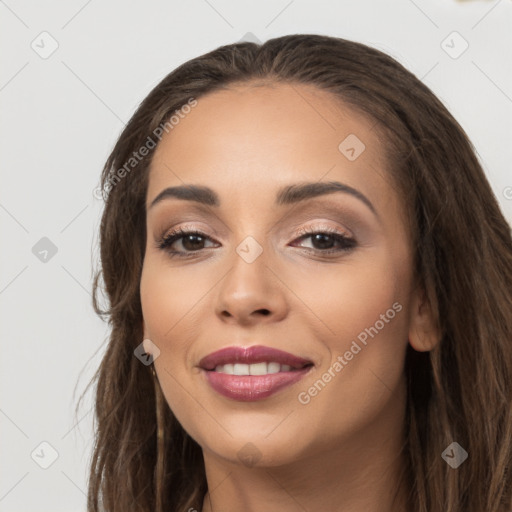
<point>252,373</point>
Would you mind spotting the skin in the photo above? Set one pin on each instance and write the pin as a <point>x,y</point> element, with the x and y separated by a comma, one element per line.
<point>341,450</point>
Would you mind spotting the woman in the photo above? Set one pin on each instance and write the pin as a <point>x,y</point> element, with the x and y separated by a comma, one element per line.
<point>310,293</point>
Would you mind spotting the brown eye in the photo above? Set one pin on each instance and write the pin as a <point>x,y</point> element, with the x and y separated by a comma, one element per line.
<point>327,240</point>
<point>322,241</point>
<point>191,241</point>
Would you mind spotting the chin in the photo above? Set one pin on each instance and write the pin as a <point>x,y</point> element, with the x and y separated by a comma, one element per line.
<point>254,447</point>
<point>255,453</point>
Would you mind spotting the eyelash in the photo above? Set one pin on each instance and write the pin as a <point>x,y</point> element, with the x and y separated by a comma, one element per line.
<point>165,242</point>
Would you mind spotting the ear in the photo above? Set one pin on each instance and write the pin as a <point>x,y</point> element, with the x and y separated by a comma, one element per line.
<point>424,330</point>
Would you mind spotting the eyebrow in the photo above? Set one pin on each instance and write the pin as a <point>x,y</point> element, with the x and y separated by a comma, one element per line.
<point>290,194</point>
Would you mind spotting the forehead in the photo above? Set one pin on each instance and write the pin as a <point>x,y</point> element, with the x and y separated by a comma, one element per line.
<point>257,137</point>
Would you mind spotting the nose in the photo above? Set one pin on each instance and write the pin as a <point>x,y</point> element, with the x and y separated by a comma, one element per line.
<point>251,293</point>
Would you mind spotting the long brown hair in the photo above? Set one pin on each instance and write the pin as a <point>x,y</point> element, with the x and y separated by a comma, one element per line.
<point>461,391</point>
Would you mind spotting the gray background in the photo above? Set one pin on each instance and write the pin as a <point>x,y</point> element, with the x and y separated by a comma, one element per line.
<point>61,114</point>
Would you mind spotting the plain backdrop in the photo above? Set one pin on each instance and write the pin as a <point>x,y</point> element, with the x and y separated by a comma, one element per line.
<point>71,74</point>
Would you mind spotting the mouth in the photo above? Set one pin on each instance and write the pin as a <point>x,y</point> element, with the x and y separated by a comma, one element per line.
<point>253,373</point>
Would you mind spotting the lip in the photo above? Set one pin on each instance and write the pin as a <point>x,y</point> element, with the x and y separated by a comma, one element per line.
<point>251,355</point>
<point>250,388</point>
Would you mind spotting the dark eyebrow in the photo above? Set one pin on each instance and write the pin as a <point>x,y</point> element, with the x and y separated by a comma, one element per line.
<point>198,193</point>
<point>301,191</point>
<point>290,194</point>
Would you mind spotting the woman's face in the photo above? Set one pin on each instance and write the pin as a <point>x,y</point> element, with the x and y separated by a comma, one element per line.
<point>340,299</point>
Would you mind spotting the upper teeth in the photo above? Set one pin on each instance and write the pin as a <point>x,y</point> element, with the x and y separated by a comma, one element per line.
<point>252,369</point>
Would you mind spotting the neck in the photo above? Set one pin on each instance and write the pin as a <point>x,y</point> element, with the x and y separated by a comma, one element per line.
<point>362,474</point>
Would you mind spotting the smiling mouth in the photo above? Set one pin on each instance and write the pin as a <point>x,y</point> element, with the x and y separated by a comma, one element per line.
<point>253,373</point>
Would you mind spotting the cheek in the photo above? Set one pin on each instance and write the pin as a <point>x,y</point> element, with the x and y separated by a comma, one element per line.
<point>363,308</point>
<point>348,298</point>
<point>169,310</point>
<point>170,302</point>
<point>172,307</point>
